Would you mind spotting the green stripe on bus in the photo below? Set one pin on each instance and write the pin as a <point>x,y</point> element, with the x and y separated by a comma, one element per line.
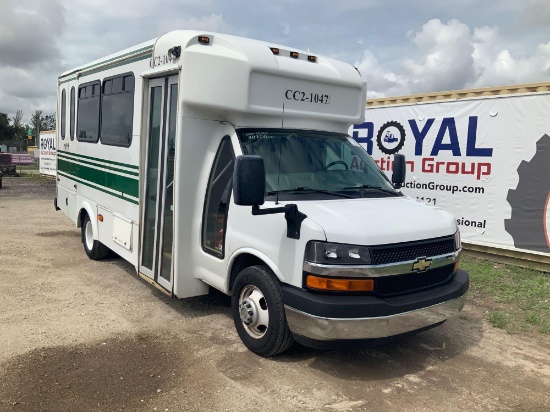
<point>98,159</point>
<point>115,169</point>
<point>135,202</point>
<point>122,184</point>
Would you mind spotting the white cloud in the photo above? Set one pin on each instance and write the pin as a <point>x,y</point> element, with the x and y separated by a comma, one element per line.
<point>471,44</point>
<point>450,56</point>
<point>535,13</point>
<point>213,22</point>
<point>445,59</point>
<point>29,32</point>
<point>380,81</point>
<point>496,65</point>
<point>286,29</point>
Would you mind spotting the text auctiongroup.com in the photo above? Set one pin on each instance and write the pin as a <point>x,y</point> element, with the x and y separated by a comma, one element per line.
<point>444,188</point>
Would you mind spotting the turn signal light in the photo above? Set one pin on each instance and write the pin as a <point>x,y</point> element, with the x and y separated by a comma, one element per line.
<point>330,284</point>
<point>456,266</point>
<point>100,218</point>
<point>204,39</point>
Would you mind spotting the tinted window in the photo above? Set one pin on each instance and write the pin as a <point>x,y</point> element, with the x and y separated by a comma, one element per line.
<point>71,114</point>
<point>117,111</point>
<point>217,200</point>
<point>88,113</point>
<point>107,86</point>
<point>318,161</point>
<point>63,112</point>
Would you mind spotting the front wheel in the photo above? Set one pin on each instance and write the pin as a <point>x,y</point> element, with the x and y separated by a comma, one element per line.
<point>258,312</point>
<point>94,248</point>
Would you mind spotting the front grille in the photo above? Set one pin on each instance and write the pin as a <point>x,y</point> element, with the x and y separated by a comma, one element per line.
<point>410,282</point>
<point>402,252</point>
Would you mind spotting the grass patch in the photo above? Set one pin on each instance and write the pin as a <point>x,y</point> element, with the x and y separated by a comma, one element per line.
<point>32,175</point>
<point>498,319</point>
<point>516,299</point>
<point>28,167</point>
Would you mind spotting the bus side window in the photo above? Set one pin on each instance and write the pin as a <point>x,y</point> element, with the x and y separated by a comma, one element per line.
<point>218,194</point>
<point>117,110</point>
<point>87,116</point>
<point>63,112</point>
<point>71,114</point>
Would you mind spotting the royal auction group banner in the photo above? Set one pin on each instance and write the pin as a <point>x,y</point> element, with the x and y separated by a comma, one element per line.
<point>48,153</point>
<point>486,160</point>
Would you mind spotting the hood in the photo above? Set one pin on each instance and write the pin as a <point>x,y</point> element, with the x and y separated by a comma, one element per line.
<point>378,221</point>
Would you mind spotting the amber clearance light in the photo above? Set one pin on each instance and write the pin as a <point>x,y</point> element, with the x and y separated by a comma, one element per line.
<point>455,268</point>
<point>350,285</point>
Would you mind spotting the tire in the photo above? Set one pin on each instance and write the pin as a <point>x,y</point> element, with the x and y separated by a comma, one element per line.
<point>530,201</point>
<point>93,248</point>
<point>258,312</point>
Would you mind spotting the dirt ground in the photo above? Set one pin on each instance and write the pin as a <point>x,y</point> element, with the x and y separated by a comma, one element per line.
<point>79,335</point>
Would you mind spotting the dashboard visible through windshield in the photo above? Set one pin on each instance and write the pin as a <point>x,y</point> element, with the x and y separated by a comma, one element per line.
<point>309,165</point>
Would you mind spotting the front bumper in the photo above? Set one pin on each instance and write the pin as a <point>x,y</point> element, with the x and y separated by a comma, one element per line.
<point>330,317</point>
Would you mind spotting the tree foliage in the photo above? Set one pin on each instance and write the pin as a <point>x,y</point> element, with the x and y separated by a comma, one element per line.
<point>47,122</point>
<point>13,133</point>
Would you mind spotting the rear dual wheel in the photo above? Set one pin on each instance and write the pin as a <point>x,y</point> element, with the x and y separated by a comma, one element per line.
<point>93,248</point>
<point>258,312</point>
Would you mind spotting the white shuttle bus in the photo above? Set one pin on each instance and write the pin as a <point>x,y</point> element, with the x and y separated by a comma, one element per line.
<point>209,160</point>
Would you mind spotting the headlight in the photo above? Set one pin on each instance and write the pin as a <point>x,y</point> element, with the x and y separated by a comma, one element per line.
<point>457,240</point>
<point>337,254</point>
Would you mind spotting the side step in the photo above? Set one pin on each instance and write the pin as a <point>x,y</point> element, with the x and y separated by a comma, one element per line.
<point>155,284</point>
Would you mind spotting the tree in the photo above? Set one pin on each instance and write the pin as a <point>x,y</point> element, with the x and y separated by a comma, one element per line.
<point>6,132</point>
<point>47,122</point>
<point>36,122</point>
<point>19,130</point>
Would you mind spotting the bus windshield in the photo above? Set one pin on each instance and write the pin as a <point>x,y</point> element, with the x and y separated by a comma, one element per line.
<point>315,163</point>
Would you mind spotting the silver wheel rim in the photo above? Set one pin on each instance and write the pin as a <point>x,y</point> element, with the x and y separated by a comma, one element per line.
<point>253,311</point>
<point>89,235</point>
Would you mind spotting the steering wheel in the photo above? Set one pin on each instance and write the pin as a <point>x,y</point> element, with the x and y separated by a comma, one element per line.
<point>337,162</point>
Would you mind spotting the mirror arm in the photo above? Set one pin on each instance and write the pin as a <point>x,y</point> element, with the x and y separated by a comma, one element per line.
<point>293,216</point>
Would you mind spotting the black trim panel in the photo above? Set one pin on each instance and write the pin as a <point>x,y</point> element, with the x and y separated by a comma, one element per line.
<point>332,306</point>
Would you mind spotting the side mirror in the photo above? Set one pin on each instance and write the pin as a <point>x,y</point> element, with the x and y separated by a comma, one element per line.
<point>399,169</point>
<point>249,181</point>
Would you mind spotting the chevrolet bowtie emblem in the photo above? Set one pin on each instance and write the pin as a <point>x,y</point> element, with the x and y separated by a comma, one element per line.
<point>421,264</point>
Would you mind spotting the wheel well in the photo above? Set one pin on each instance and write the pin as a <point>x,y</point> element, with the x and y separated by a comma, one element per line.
<point>81,216</point>
<point>241,262</point>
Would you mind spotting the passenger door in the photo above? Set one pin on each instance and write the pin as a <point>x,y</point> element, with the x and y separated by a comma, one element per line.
<point>157,191</point>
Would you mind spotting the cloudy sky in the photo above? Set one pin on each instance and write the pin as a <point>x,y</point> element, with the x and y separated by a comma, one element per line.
<point>401,46</point>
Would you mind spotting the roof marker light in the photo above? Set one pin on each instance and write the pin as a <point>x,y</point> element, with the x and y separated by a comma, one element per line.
<point>204,39</point>
<point>294,55</point>
<point>274,50</point>
<point>312,59</point>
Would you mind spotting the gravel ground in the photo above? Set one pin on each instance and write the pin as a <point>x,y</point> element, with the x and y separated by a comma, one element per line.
<point>80,335</point>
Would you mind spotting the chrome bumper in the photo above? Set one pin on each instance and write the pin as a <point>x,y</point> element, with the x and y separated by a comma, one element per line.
<point>325,329</point>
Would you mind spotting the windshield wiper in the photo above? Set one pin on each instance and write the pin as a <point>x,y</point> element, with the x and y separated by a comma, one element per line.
<point>309,189</point>
<point>381,189</point>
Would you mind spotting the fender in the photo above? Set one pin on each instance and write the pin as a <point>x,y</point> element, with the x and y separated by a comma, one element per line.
<point>92,212</point>
<point>250,251</point>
